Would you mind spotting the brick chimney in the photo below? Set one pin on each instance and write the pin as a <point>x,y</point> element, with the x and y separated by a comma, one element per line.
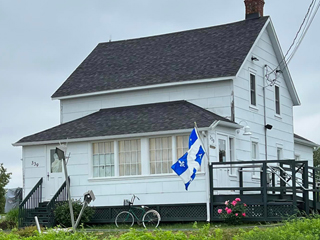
<point>254,8</point>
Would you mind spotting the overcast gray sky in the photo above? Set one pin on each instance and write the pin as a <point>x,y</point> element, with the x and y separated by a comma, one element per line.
<point>42,42</point>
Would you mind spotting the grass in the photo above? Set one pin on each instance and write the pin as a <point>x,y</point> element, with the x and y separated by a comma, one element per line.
<point>107,230</point>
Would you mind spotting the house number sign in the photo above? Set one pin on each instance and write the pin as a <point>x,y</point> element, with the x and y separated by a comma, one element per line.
<point>35,164</point>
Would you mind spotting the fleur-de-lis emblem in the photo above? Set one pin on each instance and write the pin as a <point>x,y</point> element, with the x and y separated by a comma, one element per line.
<point>181,163</point>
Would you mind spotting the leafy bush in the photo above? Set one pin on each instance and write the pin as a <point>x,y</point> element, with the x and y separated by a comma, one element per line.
<point>13,215</point>
<point>5,224</point>
<point>28,231</point>
<point>291,230</point>
<point>62,213</point>
<point>234,212</point>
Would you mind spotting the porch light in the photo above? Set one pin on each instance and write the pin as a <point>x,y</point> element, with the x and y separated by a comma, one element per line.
<point>246,129</point>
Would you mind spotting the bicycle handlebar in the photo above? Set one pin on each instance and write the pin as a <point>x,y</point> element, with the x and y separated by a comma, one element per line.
<point>133,198</point>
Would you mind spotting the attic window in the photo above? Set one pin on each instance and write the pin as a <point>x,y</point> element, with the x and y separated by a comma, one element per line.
<point>253,99</point>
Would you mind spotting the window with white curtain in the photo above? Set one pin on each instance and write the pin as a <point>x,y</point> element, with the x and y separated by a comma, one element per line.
<point>254,156</point>
<point>129,157</point>
<point>182,145</point>
<point>160,155</point>
<point>103,159</point>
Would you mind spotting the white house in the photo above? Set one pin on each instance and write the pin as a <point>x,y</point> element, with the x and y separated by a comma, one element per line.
<point>127,111</point>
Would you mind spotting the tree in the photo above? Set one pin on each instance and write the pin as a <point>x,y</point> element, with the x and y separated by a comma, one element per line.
<point>316,158</point>
<point>4,180</point>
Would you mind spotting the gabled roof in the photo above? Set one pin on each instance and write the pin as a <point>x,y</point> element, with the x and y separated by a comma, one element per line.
<point>304,141</point>
<point>149,118</point>
<point>205,53</point>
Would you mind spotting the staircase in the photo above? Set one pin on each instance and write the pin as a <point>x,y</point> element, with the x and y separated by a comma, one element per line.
<point>32,206</point>
<point>42,212</point>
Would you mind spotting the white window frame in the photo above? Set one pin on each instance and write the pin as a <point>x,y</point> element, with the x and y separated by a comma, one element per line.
<point>103,152</point>
<point>255,146</point>
<point>135,152</point>
<point>277,101</point>
<point>251,73</point>
<point>159,152</point>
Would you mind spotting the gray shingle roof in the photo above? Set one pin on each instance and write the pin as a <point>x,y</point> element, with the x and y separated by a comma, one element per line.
<point>129,120</point>
<point>203,53</point>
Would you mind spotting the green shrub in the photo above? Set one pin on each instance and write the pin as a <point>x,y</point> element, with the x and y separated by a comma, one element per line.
<point>5,224</point>
<point>62,213</point>
<point>13,215</point>
<point>28,231</point>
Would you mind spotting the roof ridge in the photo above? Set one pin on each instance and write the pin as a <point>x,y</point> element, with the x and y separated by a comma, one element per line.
<point>182,31</point>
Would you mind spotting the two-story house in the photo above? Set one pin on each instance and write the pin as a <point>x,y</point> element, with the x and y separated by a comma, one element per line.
<point>127,111</point>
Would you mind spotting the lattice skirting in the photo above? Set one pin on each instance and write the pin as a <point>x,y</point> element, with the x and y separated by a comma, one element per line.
<point>256,211</point>
<point>169,213</point>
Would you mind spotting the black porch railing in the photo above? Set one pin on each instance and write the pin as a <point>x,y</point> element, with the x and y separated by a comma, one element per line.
<point>30,202</point>
<point>282,189</point>
<point>60,196</point>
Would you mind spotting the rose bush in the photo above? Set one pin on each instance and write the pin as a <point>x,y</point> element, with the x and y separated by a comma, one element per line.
<point>234,211</point>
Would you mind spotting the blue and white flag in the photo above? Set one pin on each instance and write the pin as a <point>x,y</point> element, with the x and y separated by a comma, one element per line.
<point>187,166</point>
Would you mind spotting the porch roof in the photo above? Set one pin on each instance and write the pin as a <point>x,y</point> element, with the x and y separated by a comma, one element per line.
<point>156,117</point>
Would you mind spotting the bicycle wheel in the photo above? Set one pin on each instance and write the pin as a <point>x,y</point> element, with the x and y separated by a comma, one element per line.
<point>151,219</point>
<point>124,220</point>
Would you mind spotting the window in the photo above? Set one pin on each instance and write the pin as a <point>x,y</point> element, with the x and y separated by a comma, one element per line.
<point>103,159</point>
<point>55,163</point>
<point>231,154</point>
<point>182,145</point>
<point>160,155</point>
<point>254,156</point>
<point>279,153</point>
<point>277,99</point>
<point>129,157</point>
<point>222,150</point>
<point>253,100</point>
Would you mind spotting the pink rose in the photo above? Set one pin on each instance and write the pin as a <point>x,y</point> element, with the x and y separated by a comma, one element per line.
<point>236,214</point>
<point>229,211</point>
<point>234,203</point>
<point>238,199</point>
<point>243,214</point>
<point>244,204</point>
<point>226,208</point>
<point>219,211</point>
<point>226,202</point>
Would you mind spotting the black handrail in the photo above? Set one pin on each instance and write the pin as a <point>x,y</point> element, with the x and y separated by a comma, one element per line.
<point>31,201</point>
<point>60,195</point>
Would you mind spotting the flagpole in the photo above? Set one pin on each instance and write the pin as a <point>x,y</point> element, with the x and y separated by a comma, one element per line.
<point>206,174</point>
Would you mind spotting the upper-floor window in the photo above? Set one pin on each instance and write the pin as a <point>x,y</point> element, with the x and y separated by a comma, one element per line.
<point>103,159</point>
<point>160,155</point>
<point>129,157</point>
<point>277,99</point>
<point>253,98</point>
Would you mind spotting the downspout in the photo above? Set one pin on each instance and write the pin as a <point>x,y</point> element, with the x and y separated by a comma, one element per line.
<point>207,179</point>
<point>264,113</point>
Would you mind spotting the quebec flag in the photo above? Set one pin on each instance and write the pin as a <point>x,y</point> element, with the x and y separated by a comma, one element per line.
<point>187,166</point>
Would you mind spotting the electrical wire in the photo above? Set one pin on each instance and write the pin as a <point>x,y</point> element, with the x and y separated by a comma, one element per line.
<point>303,34</point>
<point>306,23</point>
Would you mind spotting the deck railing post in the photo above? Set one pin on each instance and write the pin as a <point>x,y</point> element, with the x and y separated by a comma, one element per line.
<point>314,187</point>
<point>282,183</point>
<point>305,179</point>
<point>294,186</point>
<point>264,191</point>
<point>211,190</point>
<point>241,181</point>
